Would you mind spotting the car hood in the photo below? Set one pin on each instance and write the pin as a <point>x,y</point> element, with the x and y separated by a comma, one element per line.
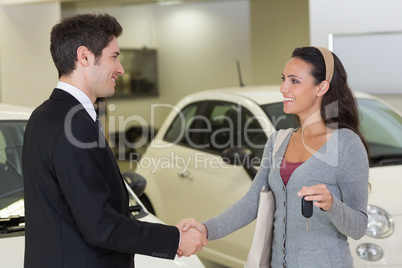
<point>386,184</point>
<point>13,112</point>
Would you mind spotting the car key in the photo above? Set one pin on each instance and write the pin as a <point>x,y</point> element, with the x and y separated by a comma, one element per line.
<point>306,210</point>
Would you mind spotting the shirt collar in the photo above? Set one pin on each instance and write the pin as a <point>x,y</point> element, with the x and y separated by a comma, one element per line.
<point>80,96</point>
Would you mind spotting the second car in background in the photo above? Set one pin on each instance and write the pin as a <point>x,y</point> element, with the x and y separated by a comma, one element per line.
<point>198,164</point>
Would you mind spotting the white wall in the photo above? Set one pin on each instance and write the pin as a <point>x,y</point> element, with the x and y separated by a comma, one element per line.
<point>277,28</point>
<point>354,17</point>
<point>200,43</point>
<point>27,73</point>
<point>197,44</point>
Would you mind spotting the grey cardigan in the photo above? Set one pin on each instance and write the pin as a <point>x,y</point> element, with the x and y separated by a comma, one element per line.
<point>342,165</point>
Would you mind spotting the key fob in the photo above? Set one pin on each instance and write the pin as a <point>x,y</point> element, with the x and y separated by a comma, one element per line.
<point>306,208</point>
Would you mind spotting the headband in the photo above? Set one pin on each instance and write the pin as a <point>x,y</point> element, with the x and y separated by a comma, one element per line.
<point>329,62</point>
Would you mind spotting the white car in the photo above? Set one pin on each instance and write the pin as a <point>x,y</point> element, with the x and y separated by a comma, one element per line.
<point>198,164</point>
<point>13,120</point>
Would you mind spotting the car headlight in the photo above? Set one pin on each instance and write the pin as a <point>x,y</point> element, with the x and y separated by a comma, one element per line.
<point>380,222</point>
<point>369,252</point>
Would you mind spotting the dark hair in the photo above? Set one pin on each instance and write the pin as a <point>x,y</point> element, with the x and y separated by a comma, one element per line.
<point>339,107</point>
<point>94,31</point>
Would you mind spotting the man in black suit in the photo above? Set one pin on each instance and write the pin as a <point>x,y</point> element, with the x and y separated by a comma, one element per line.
<point>76,204</point>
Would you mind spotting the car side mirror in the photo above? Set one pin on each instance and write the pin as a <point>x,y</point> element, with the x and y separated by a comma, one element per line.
<point>136,182</point>
<point>240,156</point>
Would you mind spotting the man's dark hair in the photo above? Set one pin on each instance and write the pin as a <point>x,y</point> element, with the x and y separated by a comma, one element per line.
<point>94,31</point>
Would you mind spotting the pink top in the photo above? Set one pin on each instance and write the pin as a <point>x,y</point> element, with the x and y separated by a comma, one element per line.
<point>287,169</point>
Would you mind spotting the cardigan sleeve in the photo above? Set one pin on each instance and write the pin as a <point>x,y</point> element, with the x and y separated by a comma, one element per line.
<point>349,214</point>
<point>244,211</point>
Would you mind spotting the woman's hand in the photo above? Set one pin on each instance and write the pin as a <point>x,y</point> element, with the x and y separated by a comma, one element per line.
<point>319,193</point>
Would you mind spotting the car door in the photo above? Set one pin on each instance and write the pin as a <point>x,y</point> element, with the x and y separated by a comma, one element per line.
<point>207,184</point>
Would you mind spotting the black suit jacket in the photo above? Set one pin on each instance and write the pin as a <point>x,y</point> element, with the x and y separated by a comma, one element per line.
<point>76,204</point>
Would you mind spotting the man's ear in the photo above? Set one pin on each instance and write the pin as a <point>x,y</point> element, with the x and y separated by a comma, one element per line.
<point>322,88</point>
<point>83,55</point>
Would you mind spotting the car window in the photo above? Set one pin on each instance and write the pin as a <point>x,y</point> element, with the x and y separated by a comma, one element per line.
<point>177,130</point>
<point>278,118</point>
<point>254,137</point>
<point>382,129</point>
<point>11,181</point>
<point>215,126</point>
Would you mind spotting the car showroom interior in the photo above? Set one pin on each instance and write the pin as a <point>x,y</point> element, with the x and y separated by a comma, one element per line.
<point>205,85</point>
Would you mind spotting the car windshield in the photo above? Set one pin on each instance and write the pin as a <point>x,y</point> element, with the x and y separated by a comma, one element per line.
<point>381,127</point>
<point>11,181</point>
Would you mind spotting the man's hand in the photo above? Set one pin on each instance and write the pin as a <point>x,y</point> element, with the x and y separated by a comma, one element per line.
<point>192,240</point>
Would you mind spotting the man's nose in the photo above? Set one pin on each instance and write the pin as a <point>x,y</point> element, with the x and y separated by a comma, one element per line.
<point>120,69</point>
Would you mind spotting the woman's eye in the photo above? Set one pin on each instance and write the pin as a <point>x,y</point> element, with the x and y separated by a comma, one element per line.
<point>294,81</point>
<point>283,78</point>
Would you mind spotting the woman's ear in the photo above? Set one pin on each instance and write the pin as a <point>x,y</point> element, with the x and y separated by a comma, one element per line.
<point>322,88</point>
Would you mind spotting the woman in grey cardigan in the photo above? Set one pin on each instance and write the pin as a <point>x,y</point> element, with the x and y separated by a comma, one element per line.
<point>325,161</point>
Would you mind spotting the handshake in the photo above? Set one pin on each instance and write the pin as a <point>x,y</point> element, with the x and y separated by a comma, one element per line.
<point>193,237</point>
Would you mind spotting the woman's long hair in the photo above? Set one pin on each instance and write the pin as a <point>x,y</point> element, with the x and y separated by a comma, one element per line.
<point>339,106</point>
